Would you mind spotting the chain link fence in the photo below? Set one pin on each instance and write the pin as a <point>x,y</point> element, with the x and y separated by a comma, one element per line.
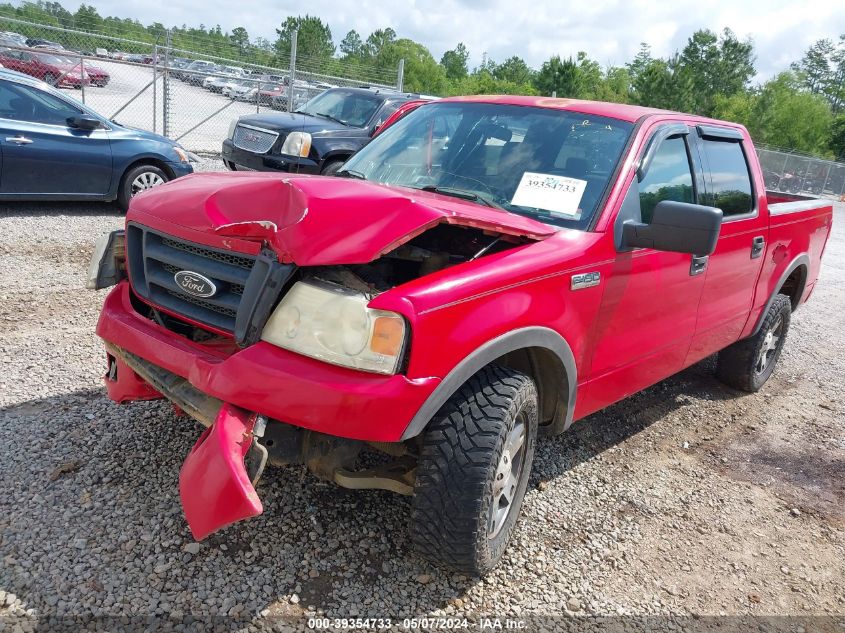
<point>188,96</point>
<point>795,173</point>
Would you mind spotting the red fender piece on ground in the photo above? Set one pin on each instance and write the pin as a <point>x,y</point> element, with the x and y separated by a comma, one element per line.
<point>213,483</point>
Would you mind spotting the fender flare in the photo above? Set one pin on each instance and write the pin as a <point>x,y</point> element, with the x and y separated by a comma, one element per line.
<point>801,260</point>
<point>495,348</point>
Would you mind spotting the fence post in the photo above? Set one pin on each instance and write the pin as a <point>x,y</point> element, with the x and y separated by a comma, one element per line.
<point>155,87</point>
<point>826,177</point>
<point>400,75</point>
<point>292,76</point>
<point>82,77</point>
<point>165,86</point>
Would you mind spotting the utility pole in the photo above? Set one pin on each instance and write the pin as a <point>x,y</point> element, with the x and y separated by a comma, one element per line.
<point>291,79</point>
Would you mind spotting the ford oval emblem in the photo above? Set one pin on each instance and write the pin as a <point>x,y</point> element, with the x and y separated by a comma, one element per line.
<point>195,284</point>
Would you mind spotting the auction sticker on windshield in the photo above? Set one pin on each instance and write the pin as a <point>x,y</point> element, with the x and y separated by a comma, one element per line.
<point>557,194</point>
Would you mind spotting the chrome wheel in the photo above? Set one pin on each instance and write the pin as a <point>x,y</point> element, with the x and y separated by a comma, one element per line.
<point>770,345</point>
<point>146,180</point>
<point>506,479</point>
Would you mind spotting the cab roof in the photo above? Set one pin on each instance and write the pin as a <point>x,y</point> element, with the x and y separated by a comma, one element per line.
<point>621,111</point>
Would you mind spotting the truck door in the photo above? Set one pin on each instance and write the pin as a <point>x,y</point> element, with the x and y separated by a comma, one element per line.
<point>648,311</point>
<point>733,268</point>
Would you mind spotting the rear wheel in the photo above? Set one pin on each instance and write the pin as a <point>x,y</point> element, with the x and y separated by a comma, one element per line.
<point>473,470</point>
<point>139,179</point>
<point>50,78</point>
<point>747,364</point>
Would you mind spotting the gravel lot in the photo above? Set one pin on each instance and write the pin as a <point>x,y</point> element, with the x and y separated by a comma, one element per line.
<point>688,498</point>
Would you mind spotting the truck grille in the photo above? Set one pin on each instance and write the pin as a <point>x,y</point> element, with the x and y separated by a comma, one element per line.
<point>154,260</point>
<point>253,139</point>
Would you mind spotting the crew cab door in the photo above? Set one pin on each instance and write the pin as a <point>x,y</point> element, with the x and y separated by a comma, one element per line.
<point>648,311</point>
<point>733,268</point>
<point>42,155</point>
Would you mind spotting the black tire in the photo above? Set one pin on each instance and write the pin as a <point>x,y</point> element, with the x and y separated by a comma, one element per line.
<point>461,459</point>
<point>747,364</point>
<point>50,78</point>
<point>230,165</point>
<point>331,167</point>
<point>125,191</point>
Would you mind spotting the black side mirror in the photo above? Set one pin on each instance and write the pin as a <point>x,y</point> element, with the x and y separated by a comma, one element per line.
<point>84,122</point>
<point>678,227</point>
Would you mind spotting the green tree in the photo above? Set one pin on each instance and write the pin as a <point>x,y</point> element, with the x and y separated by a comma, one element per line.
<point>822,71</point>
<point>651,83</point>
<point>559,77</point>
<point>454,62</point>
<point>837,137</point>
<point>640,62</point>
<point>786,116</point>
<point>514,70</point>
<point>615,85</point>
<point>713,65</point>
<point>378,41</point>
<point>240,39</point>
<point>422,73</point>
<point>352,46</point>
<point>87,18</point>
<point>62,15</point>
<point>313,42</point>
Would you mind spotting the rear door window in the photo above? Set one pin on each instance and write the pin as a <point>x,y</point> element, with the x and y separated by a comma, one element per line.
<point>729,179</point>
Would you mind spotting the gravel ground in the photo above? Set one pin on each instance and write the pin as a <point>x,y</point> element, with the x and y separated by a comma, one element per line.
<point>688,498</point>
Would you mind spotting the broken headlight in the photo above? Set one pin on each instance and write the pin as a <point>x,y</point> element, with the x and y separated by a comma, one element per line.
<point>334,324</point>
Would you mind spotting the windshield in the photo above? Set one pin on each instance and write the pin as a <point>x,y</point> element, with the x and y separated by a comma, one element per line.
<point>552,165</point>
<point>345,106</point>
<point>52,59</point>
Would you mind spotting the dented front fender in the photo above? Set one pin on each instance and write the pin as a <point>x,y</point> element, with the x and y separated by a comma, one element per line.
<point>213,483</point>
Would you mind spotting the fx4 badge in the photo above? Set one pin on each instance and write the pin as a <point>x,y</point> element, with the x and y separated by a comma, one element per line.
<point>195,284</point>
<point>585,280</point>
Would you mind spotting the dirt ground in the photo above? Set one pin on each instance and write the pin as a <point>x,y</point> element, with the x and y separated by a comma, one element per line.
<point>688,498</point>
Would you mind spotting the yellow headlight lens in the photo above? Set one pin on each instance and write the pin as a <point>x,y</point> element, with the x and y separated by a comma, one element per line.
<point>335,325</point>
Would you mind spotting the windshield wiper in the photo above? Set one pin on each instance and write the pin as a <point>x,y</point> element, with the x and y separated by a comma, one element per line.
<point>460,193</point>
<point>350,173</point>
<point>329,117</point>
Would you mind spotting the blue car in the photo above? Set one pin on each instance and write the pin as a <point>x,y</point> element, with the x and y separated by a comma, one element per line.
<point>54,148</point>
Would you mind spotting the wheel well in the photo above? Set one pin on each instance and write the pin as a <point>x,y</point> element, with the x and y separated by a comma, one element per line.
<point>331,158</point>
<point>148,161</point>
<point>549,375</point>
<point>794,285</point>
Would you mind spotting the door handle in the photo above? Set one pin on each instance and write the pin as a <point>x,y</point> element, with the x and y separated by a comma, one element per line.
<point>18,140</point>
<point>698,264</point>
<point>757,246</point>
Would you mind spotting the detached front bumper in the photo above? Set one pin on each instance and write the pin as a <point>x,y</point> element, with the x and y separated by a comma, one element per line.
<point>265,379</point>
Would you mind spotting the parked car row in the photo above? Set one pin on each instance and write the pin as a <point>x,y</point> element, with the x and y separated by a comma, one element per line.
<point>55,67</point>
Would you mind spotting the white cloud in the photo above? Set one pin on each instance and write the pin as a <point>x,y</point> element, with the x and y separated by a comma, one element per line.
<point>609,31</point>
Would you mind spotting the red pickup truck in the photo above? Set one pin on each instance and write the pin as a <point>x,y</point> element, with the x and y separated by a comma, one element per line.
<point>486,270</point>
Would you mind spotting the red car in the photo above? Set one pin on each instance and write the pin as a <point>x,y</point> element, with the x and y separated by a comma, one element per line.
<point>49,67</point>
<point>268,91</point>
<point>485,271</point>
<point>96,76</point>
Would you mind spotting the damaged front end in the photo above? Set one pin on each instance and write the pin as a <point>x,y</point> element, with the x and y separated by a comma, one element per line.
<point>300,282</point>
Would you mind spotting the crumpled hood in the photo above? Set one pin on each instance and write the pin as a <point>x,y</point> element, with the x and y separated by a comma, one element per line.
<point>317,220</point>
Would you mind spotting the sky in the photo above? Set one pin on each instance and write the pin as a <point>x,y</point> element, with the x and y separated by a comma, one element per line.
<point>609,31</point>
